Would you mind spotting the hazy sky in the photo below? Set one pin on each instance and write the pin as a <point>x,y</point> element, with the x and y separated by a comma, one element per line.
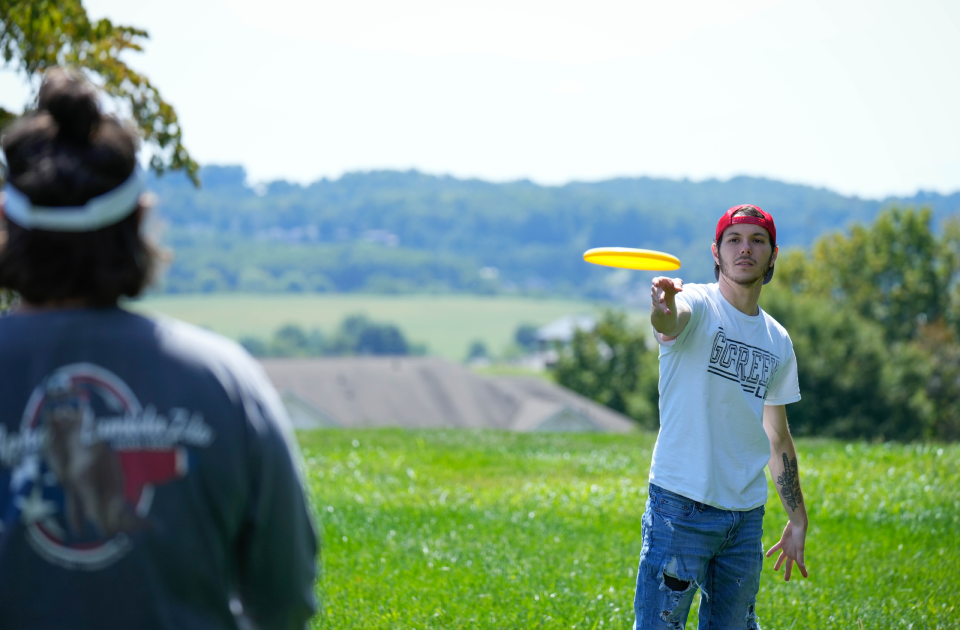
<point>861,96</point>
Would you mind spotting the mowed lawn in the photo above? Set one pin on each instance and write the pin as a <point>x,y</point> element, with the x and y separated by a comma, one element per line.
<point>448,324</point>
<point>456,529</point>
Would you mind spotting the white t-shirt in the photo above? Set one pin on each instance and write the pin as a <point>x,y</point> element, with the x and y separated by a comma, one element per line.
<point>715,379</point>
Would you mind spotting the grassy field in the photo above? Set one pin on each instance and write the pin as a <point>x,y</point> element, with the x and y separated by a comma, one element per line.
<point>446,323</point>
<point>454,529</point>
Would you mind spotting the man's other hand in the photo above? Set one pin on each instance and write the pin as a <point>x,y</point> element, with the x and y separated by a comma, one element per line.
<point>791,550</point>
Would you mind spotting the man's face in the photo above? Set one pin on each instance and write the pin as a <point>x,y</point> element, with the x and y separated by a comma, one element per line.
<point>745,253</point>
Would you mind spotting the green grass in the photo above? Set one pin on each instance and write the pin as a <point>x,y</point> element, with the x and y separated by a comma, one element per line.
<point>446,323</point>
<point>456,529</point>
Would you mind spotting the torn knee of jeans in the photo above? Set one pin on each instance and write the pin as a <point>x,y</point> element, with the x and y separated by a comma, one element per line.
<point>675,584</point>
<point>681,588</point>
<point>670,577</point>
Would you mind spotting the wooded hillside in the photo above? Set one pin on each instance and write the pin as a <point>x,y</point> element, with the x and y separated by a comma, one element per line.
<point>390,232</point>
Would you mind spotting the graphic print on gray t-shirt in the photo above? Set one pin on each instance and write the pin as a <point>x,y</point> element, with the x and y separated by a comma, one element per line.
<point>85,463</point>
<point>742,363</point>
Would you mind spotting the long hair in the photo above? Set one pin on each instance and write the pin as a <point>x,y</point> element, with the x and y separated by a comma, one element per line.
<point>62,154</point>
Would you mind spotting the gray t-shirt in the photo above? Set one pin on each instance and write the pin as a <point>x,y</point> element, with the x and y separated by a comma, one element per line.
<point>715,379</point>
<point>148,479</point>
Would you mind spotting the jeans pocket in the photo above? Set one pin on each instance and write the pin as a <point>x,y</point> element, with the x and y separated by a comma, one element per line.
<point>675,506</point>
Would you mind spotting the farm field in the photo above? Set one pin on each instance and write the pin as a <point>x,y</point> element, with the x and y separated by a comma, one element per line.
<point>446,323</point>
<point>456,529</point>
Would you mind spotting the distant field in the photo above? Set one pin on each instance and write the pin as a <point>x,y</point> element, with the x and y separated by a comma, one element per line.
<point>446,323</point>
<point>453,530</point>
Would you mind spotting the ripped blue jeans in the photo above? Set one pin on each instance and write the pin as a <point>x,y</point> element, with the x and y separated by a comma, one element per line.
<point>688,545</point>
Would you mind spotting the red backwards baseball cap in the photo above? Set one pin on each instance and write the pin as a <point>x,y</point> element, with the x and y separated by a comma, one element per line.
<point>766,221</point>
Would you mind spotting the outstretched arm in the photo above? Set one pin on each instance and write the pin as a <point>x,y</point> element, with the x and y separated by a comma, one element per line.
<point>783,468</point>
<point>667,319</point>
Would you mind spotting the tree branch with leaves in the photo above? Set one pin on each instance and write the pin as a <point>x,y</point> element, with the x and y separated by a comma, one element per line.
<point>36,35</point>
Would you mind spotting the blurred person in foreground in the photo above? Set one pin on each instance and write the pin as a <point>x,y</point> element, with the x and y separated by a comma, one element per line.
<point>727,370</point>
<point>148,474</point>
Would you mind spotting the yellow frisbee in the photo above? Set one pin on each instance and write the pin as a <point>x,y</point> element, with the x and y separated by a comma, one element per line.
<point>627,258</point>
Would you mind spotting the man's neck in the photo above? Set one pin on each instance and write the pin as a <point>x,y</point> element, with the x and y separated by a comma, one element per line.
<point>743,298</point>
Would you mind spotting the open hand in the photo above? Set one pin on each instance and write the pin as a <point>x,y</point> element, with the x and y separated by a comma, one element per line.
<point>662,292</point>
<point>791,550</point>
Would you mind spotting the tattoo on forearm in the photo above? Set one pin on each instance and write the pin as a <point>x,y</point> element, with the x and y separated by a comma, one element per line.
<point>789,483</point>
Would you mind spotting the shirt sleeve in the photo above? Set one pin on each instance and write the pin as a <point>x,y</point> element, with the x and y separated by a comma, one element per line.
<point>785,387</point>
<point>277,550</point>
<point>693,298</point>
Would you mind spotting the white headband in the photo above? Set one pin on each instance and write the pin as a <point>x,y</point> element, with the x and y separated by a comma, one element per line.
<point>99,212</point>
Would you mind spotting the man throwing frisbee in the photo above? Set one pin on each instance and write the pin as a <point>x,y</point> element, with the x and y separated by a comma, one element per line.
<point>727,370</point>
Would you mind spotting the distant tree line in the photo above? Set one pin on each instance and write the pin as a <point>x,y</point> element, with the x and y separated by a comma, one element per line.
<point>402,232</point>
<point>356,335</point>
<point>874,316</point>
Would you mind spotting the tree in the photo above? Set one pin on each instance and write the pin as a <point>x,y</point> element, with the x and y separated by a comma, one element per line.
<point>287,341</point>
<point>875,320</point>
<point>940,350</point>
<point>359,335</point>
<point>477,350</point>
<point>896,272</point>
<point>526,337</point>
<point>853,383</point>
<point>36,35</point>
<point>950,251</point>
<point>293,341</point>
<point>613,366</point>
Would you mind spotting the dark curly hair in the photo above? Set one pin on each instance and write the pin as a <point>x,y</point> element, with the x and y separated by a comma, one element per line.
<point>64,153</point>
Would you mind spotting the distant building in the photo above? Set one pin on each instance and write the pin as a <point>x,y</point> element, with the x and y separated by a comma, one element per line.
<point>428,392</point>
<point>558,332</point>
<point>562,330</point>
